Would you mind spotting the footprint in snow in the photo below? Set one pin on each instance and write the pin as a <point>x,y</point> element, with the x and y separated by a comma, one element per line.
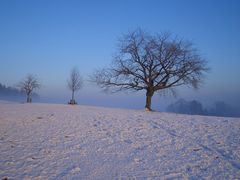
<point>128,141</point>
<point>197,149</point>
<point>75,170</point>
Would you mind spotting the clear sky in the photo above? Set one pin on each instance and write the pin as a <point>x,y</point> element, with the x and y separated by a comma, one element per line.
<point>49,37</point>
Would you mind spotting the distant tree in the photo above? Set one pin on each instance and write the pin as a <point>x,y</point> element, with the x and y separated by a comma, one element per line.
<point>28,85</point>
<point>186,107</point>
<point>181,106</point>
<point>152,63</point>
<point>8,91</point>
<point>195,107</point>
<point>75,83</point>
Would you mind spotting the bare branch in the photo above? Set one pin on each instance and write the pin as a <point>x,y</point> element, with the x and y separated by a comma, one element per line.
<point>74,83</point>
<point>28,84</point>
<point>152,63</point>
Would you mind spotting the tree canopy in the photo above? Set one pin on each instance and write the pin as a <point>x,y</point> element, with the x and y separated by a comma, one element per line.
<point>152,63</point>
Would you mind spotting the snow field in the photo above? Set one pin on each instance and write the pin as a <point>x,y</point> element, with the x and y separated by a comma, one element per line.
<point>47,141</point>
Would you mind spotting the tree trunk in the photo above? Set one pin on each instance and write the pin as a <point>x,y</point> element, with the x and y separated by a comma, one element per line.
<point>72,95</point>
<point>149,96</point>
<point>72,101</point>
<point>28,98</point>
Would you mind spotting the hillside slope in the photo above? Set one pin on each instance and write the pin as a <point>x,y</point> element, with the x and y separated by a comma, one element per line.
<point>79,142</point>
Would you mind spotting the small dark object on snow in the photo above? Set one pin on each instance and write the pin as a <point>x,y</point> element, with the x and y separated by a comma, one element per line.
<point>72,102</point>
<point>197,149</point>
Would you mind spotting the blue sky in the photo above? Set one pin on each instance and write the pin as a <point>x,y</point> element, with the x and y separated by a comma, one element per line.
<point>48,38</point>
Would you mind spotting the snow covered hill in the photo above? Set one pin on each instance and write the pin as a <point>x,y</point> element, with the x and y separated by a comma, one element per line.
<point>46,141</point>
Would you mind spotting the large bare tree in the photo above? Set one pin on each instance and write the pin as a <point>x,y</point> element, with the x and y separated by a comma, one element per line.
<point>75,83</point>
<point>28,85</point>
<point>152,63</point>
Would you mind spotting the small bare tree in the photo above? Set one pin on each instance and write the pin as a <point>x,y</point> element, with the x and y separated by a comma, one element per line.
<point>152,63</point>
<point>28,84</point>
<point>75,83</point>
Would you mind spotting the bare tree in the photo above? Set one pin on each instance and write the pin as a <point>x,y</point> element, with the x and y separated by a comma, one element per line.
<point>28,84</point>
<point>74,83</point>
<point>152,63</point>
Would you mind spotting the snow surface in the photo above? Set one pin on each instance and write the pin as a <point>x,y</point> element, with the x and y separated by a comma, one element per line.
<point>43,141</point>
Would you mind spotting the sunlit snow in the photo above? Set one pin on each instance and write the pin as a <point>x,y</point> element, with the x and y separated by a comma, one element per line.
<point>47,141</point>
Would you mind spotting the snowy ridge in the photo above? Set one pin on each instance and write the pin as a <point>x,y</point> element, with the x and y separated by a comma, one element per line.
<point>46,141</point>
